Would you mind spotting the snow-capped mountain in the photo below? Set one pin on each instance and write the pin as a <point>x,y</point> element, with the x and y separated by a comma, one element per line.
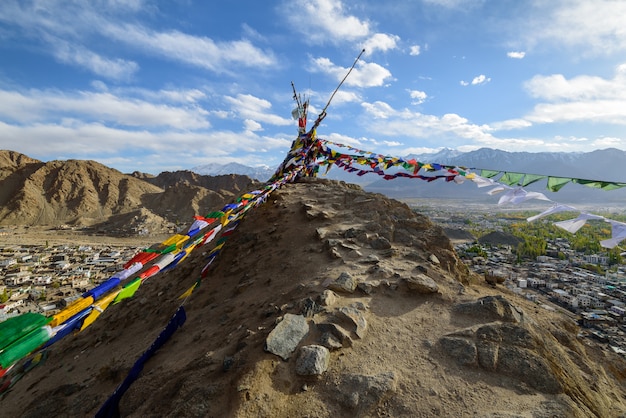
<point>261,173</point>
<point>603,165</point>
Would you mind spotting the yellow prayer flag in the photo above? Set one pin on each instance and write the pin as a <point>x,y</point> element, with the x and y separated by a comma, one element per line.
<point>188,292</point>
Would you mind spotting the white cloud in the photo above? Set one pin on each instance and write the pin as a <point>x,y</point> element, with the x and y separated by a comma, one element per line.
<point>199,51</point>
<point>516,54</point>
<point>414,50</point>
<point>252,126</point>
<point>68,27</point>
<point>417,97</point>
<point>325,21</point>
<point>453,4</point>
<point>510,124</point>
<point>389,122</point>
<point>608,142</point>
<point>380,42</point>
<point>256,109</point>
<point>581,98</point>
<point>163,150</point>
<point>481,79</point>
<point>115,69</point>
<point>44,106</point>
<point>364,74</point>
<point>588,26</point>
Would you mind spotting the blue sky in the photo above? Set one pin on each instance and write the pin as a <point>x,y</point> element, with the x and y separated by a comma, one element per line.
<point>154,85</point>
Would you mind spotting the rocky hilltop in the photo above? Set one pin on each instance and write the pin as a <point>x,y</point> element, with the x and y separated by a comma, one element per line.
<point>87,193</point>
<point>328,301</point>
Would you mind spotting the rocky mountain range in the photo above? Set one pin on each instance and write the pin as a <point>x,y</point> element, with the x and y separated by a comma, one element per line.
<point>260,173</point>
<point>603,165</point>
<point>82,193</point>
<point>595,165</point>
<point>328,301</point>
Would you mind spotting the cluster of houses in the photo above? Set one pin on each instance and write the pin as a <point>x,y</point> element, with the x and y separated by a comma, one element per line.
<point>556,280</point>
<point>44,279</point>
<point>597,301</point>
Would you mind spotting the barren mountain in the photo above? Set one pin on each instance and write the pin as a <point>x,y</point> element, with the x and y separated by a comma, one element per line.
<point>375,290</point>
<point>87,193</point>
<point>229,182</point>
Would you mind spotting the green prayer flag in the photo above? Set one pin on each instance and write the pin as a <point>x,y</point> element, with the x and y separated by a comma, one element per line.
<point>531,178</point>
<point>489,173</point>
<point>128,291</point>
<point>511,179</point>
<point>556,183</point>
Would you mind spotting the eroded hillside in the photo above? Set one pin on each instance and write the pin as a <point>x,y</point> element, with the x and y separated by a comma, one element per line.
<point>86,193</point>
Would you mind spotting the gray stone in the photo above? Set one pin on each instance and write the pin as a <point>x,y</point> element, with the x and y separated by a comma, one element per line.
<point>338,331</point>
<point>433,259</point>
<point>331,342</point>
<point>464,351</point>
<point>491,308</point>
<point>380,243</point>
<point>380,272</point>
<point>423,284</point>
<point>487,355</point>
<point>503,348</point>
<point>366,287</point>
<point>308,307</point>
<point>528,367</point>
<point>312,360</point>
<point>350,246</point>
<point>350,233</point>
<point>357,318</point>
<point>344,283</point>
<point>363,393</point>
<point>286,336</point>
<point>370,259</point>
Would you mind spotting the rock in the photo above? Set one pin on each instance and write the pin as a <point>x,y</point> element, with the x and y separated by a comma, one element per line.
<point>380,243</point>
<point>334,253</point>
<point>338,331</point>
<point>366,287</point>
<point>370,259</point>
<point>357,318</point>
<point>363,393</point>
<point>349,246</point>
<point>308,307</point>
<point>286,336</point>
<point>491,308</point>
<point>350,233</point>
<point>379,272</point>
<point>433,259</point>
<point>423,284</point>
<point>328,298</point>
<point>344,283</point>
<point>527,367</point>
<point>464,351</point>
<point>312,360</point>
<point>503,348</point>
<point>331,342</point>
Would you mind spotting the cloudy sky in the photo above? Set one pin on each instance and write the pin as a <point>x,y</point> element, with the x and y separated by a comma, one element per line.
<point>155,85</point>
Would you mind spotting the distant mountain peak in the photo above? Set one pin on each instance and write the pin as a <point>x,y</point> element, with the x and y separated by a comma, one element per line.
<point>261,172</point>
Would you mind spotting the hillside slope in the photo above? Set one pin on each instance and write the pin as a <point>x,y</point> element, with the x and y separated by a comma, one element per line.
<point>418,336</point>
<point>87,193</point>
